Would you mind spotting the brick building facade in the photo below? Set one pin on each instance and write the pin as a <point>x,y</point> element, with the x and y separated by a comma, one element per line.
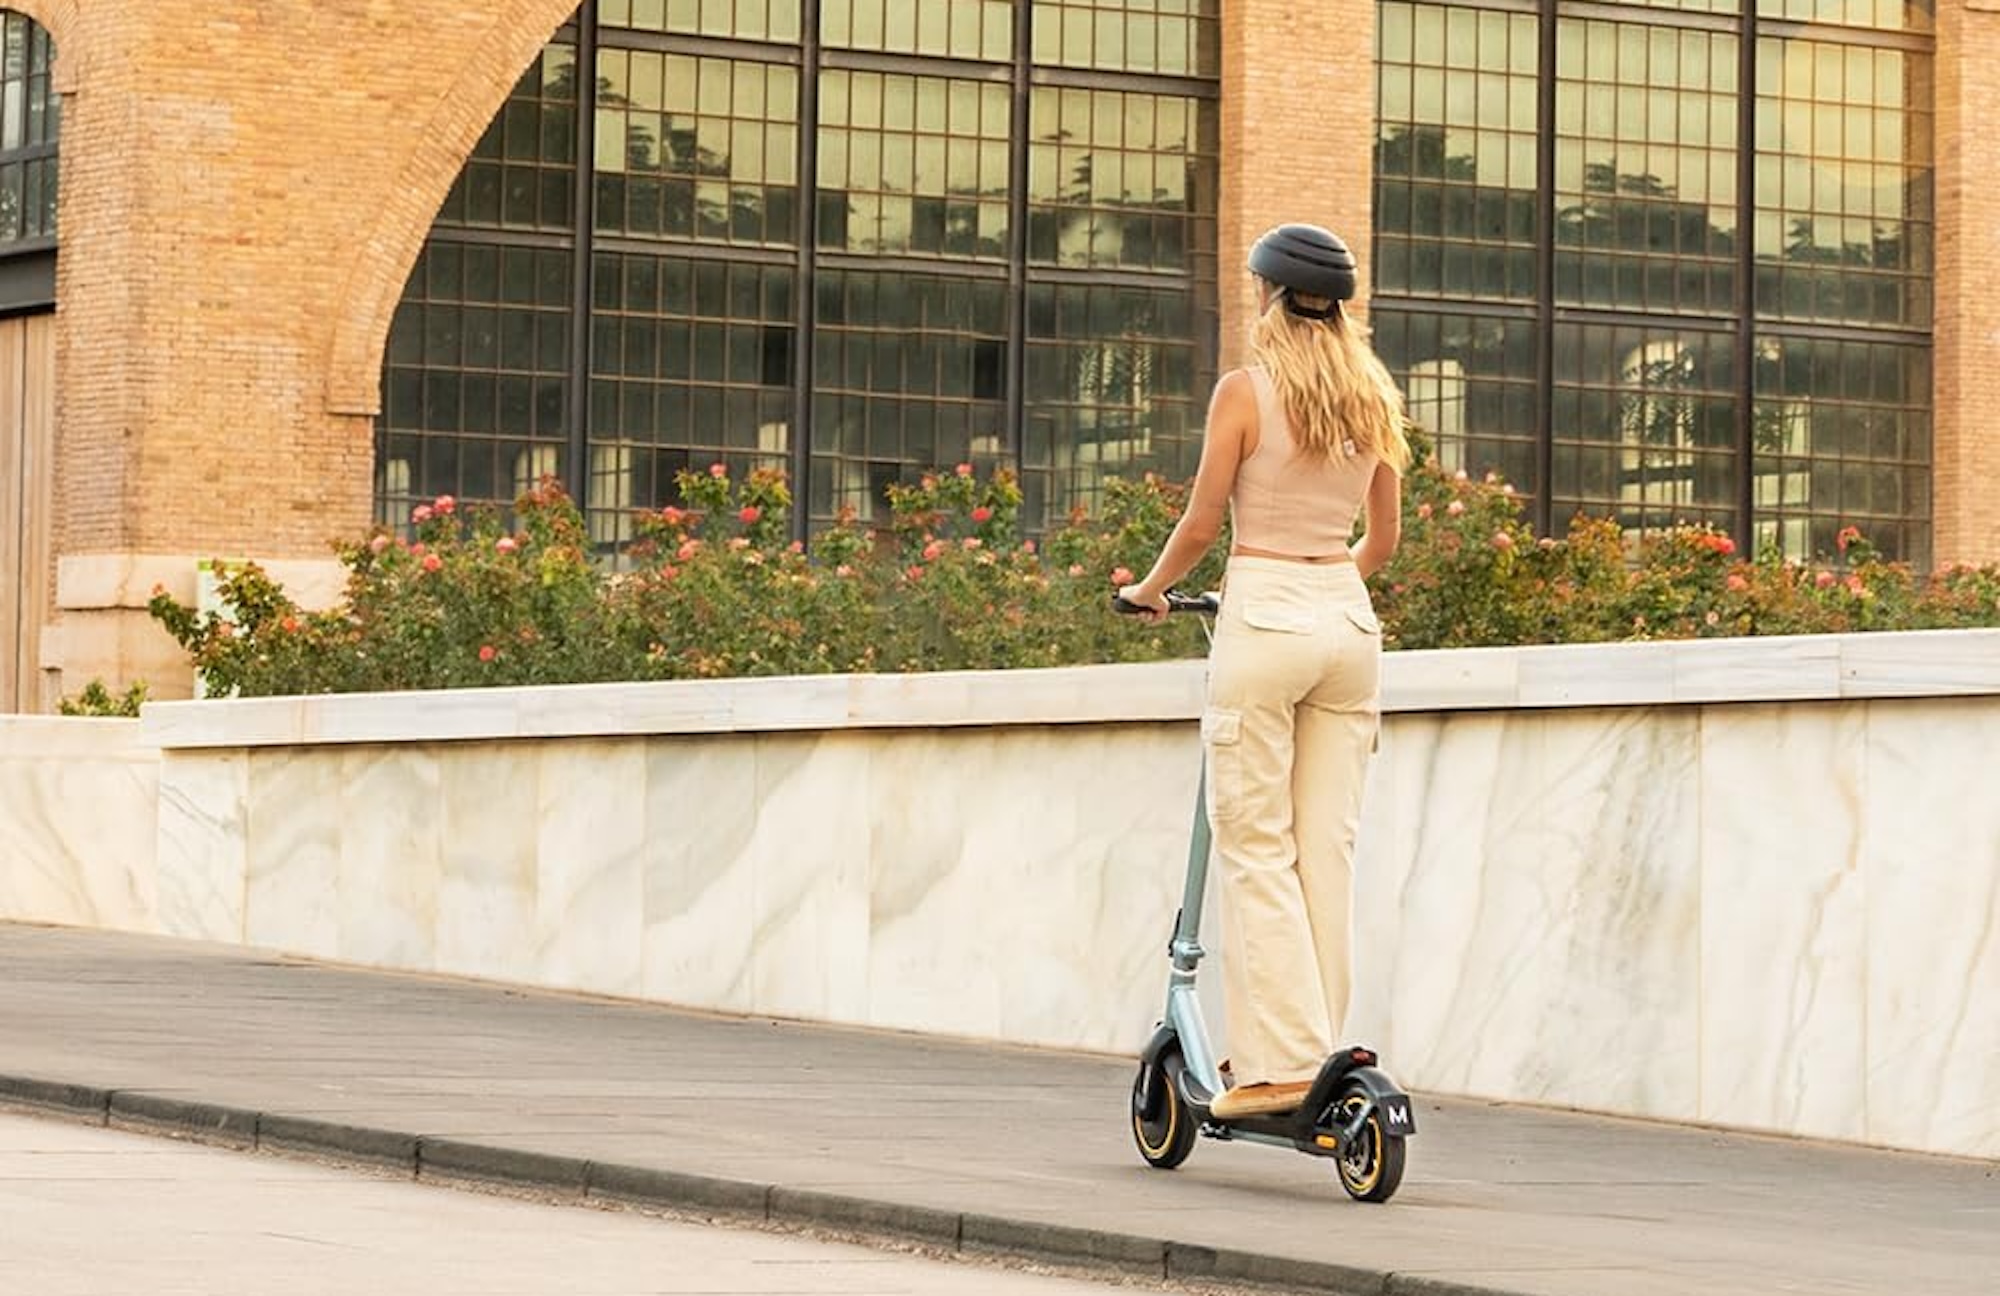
<point>245,188</point>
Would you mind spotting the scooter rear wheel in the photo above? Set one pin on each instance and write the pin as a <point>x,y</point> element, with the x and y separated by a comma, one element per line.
<point>1373,1169</point>
<point>1167,1136</point>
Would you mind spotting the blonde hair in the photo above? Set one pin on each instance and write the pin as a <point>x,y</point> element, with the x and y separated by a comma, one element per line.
<point>1330,382</point>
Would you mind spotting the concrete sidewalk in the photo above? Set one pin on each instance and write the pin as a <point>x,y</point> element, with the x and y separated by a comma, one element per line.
<point>966,1146</point>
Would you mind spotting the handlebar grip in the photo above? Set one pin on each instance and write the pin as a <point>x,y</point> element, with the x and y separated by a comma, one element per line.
<point>1176,602</point>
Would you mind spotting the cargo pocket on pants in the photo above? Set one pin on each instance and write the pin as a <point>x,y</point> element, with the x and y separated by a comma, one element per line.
<point>1222,738</point>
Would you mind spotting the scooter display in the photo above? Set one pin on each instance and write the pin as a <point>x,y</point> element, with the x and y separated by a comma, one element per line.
<point>1354,1114</point>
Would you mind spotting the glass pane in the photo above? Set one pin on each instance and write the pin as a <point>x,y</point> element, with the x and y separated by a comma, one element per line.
<point>1116,381</point>
<point>961,29</point>
<point>1171,37</point>
<point>1469,385</point>
<point>1117,179</point>
<point>1645,168</point>
<point>765,20</point>
<point>920,163</point>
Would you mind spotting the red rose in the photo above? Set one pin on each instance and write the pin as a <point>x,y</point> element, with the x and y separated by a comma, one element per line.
<point>982,514</point>
<point>432,562</point>
<point>487,652</point>
<point>748,514</point>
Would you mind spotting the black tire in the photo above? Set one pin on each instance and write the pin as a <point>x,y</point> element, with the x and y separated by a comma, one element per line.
<point>1166,1139</point>
<point>1374,1170</point>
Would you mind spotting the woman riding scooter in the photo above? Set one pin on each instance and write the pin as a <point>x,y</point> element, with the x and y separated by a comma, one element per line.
<point>1298,443</point>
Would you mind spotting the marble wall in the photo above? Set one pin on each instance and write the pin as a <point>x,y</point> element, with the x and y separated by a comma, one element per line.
<point>1781,915</point>
<point>78,819</point>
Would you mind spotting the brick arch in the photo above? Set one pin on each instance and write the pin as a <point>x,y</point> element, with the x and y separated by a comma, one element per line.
<point>63,22</point>
<point>389,251</point>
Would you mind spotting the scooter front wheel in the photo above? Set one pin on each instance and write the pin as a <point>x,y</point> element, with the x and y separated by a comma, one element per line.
<point>1162,1127</point>
<point>1372,1170</point>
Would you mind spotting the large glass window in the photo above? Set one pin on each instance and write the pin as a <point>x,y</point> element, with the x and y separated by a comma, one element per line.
<point>1647,276</point>
<point>927,237</point>
<point>30,120</point>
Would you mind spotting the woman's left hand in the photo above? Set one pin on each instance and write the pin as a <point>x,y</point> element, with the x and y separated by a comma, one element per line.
<point>1138,595</point>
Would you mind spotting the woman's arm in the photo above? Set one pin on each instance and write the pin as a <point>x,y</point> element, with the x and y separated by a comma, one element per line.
<point>1232,420</point>
<point>1385,521</point>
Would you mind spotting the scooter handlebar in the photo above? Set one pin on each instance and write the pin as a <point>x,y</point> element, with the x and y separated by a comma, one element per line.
<point>1176,602</point>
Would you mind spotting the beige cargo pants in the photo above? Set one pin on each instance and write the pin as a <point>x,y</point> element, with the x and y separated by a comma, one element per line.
<point>1292,716</point>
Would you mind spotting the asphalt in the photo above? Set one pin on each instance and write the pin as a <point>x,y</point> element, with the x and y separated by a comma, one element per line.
<point>953,1144</point>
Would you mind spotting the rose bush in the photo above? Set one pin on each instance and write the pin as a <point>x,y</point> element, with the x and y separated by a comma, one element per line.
<point>714,586</point>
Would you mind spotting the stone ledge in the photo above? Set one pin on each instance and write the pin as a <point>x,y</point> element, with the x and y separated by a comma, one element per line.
<point>1931,663</point>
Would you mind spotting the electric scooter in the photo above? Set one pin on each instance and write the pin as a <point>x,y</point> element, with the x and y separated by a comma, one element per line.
<point>1354,1113</point>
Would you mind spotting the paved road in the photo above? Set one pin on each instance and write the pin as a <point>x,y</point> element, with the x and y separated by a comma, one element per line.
<point>1507,1199</point>
<point>90,1212</point>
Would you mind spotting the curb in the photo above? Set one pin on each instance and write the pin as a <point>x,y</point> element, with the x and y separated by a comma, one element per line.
<point>799,1209</point>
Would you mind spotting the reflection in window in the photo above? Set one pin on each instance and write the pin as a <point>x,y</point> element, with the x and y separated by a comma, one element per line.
<point>1455,153</point>
<point>961,29</point>
<point>1844,218</point>
<point>913,164</point>
<point>1174,37</point>
<point>1882,15</point>
<point>1645,167</point>
<point>946,304</point>
<point>1114,386</point>
<point>476,381</point>
<point>1468,383</point>
<point>691,362</point>
<point>772,20</point>
<point>692,147</point>
<point>1642,402</point>
<point>1116,178</point>
<point>30,120</point>
<point>522,172</point>
<point>908,375</point>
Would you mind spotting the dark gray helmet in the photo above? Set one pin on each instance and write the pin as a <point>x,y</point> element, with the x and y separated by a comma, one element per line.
<point>1305,259</point>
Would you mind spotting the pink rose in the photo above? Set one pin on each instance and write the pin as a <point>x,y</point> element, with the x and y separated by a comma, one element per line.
<point>1076,569</point>
<point>1855,585</point>
<point>982,514</point>
<point>972,542</point>
<point>1713,618</point>
<point>1455,508</point>
<point>432,562</point>
<point>417,549</point>
<point>1121,576</point>
<point>445,505</point>
<point>738,543</point>
<point>671,515</point>
<point>290,625</point>
<point>1502,541</point>
<point>748,514</point>
<point>505,544</point>
<point>933,550</point>
<point>843,570</point>
<point>1737,583</point>
<point>1027,546</point>
<point>1424,509</point>
<point>378,544</point>
<point>487,652</point>
<point>688,549</point>
<point>420,514</point>
<point>913,572</point>
<point>963,470</point>
<point>1848,535</point>
<point>796,546</point>
<point>717,470</point>
<point>1824,580</point>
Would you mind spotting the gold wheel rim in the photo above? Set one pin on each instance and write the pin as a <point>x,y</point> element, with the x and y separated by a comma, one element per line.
<point>1154,1150</point>
<point>1363,1174</point>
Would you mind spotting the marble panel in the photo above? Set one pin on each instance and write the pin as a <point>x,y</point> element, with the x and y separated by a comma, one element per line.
<point>292,855</point>
<point>203,844</point>
<point>487,907</point>
<point>810,852</point>
<point>590,881</point>
<point>1568,675</point>
<point>1920,663</point>
<point>1784,918</point>
<point>391,808</point>
<point>699,871</point>
<point>79,838</point>
<point>1450,679</point>
<point>1742,670</point>
<point>1931,852</point>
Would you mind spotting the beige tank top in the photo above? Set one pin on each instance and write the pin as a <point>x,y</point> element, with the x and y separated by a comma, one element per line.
<point>1292,503</point>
